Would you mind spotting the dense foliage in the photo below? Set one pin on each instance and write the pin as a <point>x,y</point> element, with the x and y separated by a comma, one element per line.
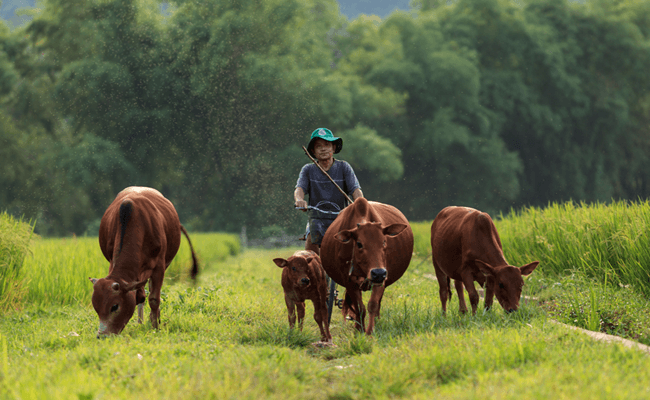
<point>487,103</point>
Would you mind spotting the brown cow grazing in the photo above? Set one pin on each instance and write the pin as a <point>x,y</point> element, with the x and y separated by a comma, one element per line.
<point>367,247</point>
<point>466,247</point>
<point>139,235</point>
<point>303,278</point>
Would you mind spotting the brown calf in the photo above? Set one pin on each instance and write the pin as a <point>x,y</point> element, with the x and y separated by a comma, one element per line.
<point>367,247</point>
<point>466,247</point>
<point>303,278</point>
<point>139,235</point>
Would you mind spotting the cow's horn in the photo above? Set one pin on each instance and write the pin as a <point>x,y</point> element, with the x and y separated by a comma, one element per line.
<point>115,286</point>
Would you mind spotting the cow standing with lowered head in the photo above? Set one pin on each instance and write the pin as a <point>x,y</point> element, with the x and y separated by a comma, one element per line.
<point>303,278</point>
<point>139,235</point>
<point>367,247</point>
<point>466,247</point>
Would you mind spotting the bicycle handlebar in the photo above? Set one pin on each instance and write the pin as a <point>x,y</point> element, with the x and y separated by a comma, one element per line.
<point>318,209</point>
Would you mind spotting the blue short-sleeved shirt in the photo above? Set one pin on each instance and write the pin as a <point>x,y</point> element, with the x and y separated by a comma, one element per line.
<point>320,189</point>
<point>315,184</point>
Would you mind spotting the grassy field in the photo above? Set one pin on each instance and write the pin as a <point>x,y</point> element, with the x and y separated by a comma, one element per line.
<point>57,270</point>
<point>15,238</point>
<point>227,336</point>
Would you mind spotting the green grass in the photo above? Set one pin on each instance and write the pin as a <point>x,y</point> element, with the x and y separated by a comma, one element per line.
<point>422,238</point>
<point>608,243</point>
<point>577,300</point>
<point>15,236</point>
<point>209,248</point>
<point>228,337</point>
<point>57,270</point>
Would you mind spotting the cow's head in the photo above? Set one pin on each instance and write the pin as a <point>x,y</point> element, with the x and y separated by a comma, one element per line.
<point>507,282</point>
<point>297,268</point>
<point>114,302</point>
<point>370,245</point>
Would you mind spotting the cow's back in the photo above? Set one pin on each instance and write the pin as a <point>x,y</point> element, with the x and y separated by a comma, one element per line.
<point>154,214</point>
<point>336,255</point>
<point>459,234</point>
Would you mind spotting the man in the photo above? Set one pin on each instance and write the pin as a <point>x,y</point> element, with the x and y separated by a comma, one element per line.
<point>322,192</point>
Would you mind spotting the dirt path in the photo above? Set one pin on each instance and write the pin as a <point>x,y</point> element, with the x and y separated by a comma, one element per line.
<point>608,338</point>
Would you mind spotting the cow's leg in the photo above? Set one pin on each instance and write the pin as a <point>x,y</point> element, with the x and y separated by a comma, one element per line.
<point>374,305</point>
<point>291,308</point>
<point>443,287</point>
<point>320,315</point>
<point>140,297</point>
<point>155,286</point>
<point>461,296</point>
<point>468,280</point>
<point>489,292</point>
<point>354,301</point>
<point>301,313</point>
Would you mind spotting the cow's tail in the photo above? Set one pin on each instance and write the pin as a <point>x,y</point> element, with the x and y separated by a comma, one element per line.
<point>449,287</point>
<point>195,264</point>
<point>126,209</point>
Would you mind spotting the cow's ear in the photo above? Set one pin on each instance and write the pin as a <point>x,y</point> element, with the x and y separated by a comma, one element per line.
<point>280,262</point>
<point>485,268</point>
<point>134,285</point>
<point>93,280</point>
<point>528,268</point>
<point>345,236</point>
<point>394,229</point>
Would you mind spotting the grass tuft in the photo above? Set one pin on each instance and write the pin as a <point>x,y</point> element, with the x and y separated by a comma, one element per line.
<point>15,237</point>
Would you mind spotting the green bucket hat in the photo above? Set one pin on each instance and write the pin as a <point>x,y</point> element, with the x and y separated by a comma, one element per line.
<point>325,134</point>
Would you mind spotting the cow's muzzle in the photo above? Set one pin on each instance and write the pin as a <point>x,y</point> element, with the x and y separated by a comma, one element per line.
<point>104,331</point>
<point>378,275</point>
<point>103,334</point>
<point>304,281</point>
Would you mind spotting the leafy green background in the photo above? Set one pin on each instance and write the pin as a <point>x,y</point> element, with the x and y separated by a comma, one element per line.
<point>493,104</point>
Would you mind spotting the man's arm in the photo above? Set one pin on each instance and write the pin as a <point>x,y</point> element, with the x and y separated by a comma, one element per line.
<point>299,198</point>
<point>352,181</point>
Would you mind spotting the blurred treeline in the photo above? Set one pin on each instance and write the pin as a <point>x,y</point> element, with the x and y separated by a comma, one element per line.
<point>486,103</point>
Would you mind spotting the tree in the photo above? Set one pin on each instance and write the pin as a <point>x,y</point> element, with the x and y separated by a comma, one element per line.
<point>452,153</point>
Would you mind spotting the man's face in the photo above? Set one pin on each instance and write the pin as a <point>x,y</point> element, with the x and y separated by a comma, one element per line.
<point>323,149</point>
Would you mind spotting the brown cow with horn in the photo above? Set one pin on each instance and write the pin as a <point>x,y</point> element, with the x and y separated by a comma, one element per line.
<point>139,235</point>
<point>466,247</point>
<point>367,247</point>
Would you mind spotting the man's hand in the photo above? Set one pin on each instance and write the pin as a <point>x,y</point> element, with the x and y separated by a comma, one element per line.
<point>299,199</point>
